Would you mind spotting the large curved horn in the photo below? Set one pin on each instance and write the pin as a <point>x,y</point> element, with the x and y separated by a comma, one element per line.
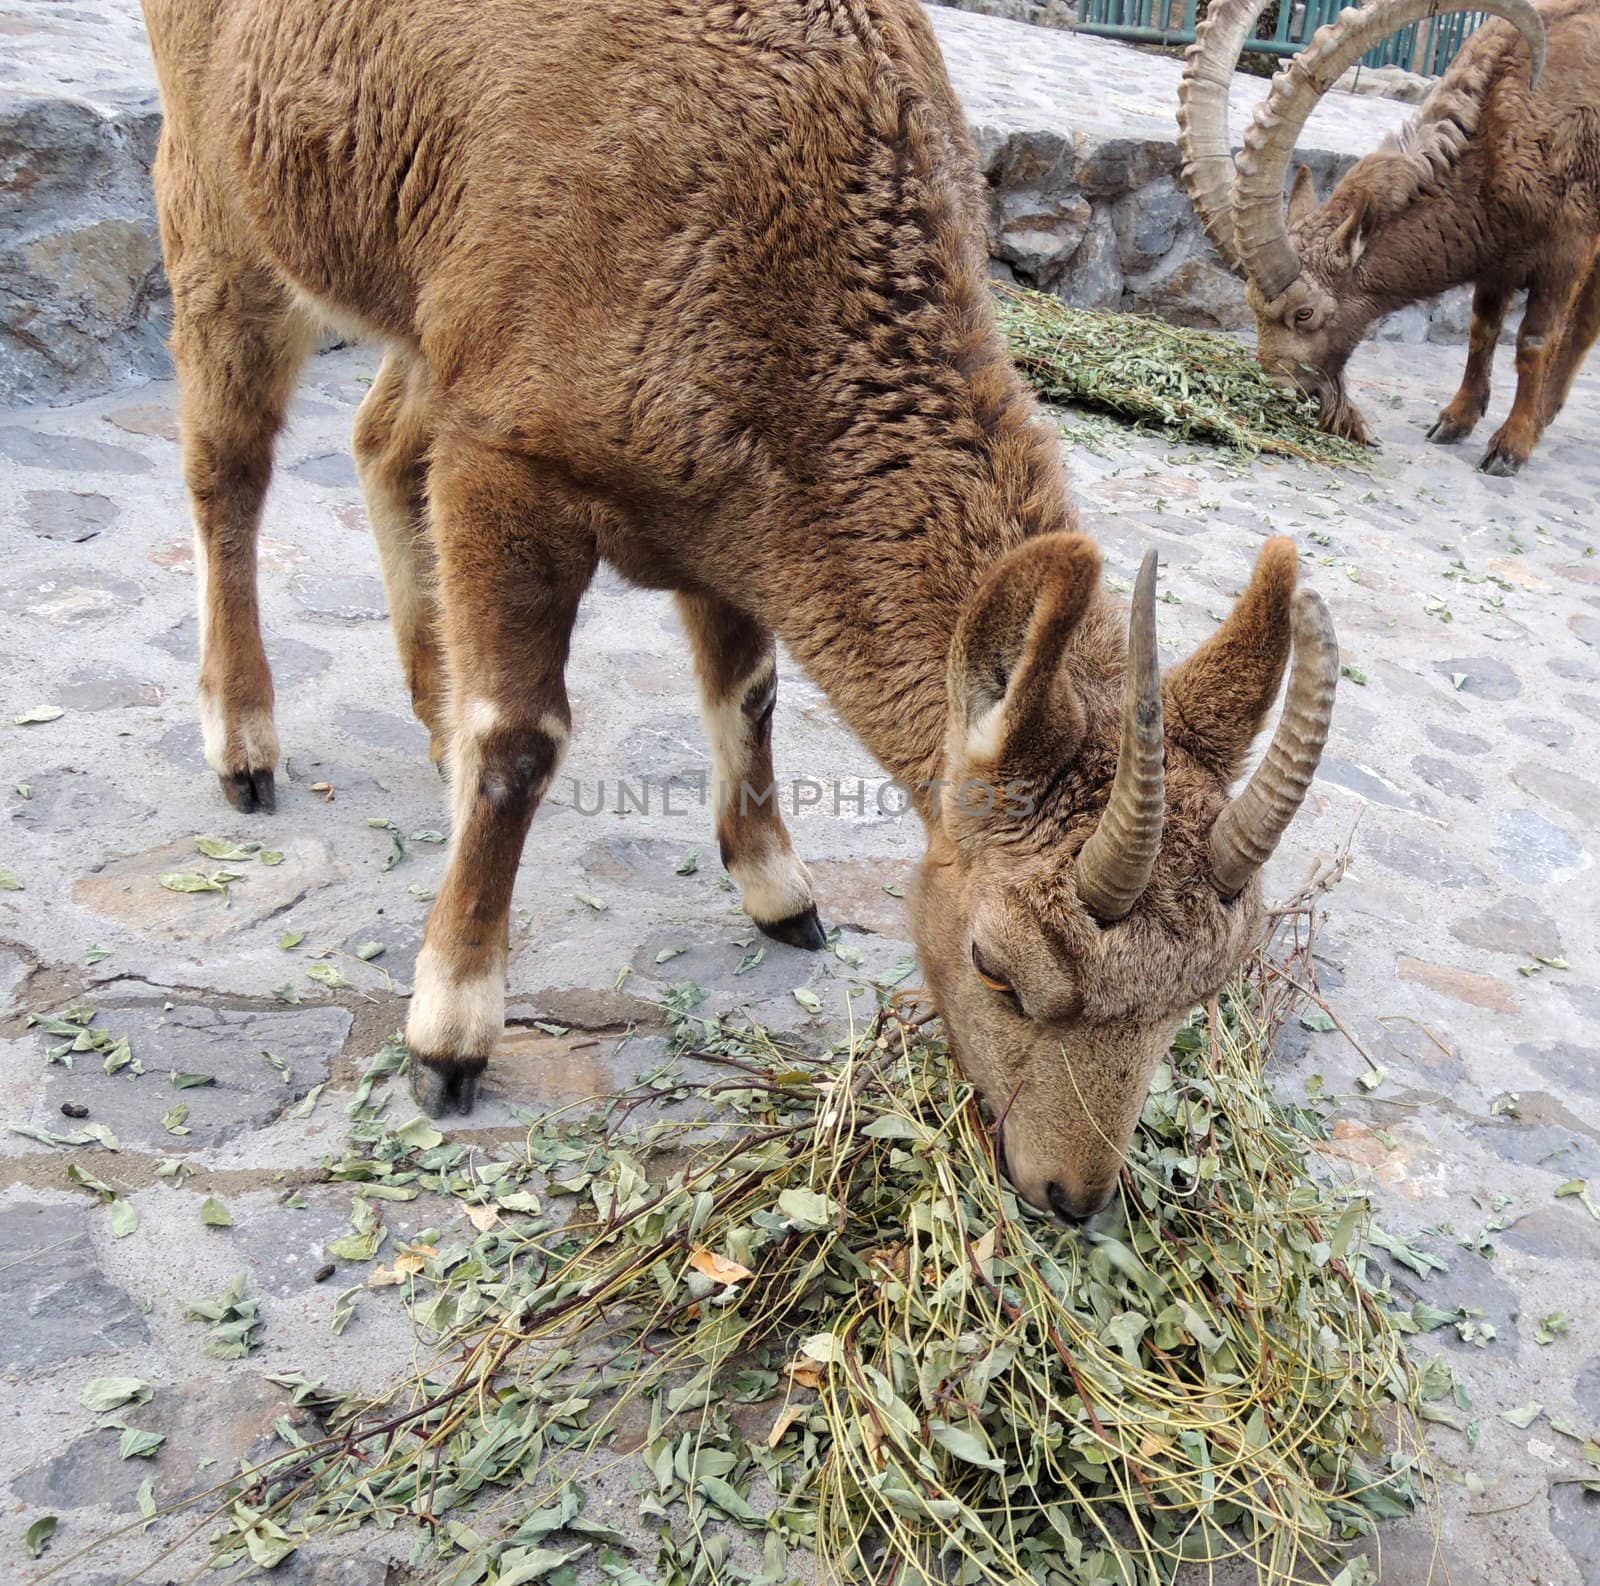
<point>1115,865</point>
<point>1204,142</point>
<point>1246,832</point>
<point>1261,233</point>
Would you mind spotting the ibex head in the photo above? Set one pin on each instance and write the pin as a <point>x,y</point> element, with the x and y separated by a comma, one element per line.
<point>1088,878</point>
<point>1302,268</point>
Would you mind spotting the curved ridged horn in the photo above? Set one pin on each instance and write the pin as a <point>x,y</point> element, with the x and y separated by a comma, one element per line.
<point>1203,140</point>
<point>1115,864</point>
<point>1261,233</point>
<point>1246,832</point>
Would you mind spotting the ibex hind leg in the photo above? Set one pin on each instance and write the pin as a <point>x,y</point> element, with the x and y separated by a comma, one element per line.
<point>392,437</point>
<point>1543,321</point>
<point>1578,334</point>
<point>736,661</point>
<point>238,339</point>
<point>516,551</point>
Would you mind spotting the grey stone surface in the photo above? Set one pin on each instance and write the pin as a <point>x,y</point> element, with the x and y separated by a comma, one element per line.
<point>1470,861</point>
<point>56,1303</point>
<point>247,1090</point>
<point>1077,135</point>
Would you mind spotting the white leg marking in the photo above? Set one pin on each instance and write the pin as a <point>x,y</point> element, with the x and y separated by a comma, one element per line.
<point>249,743</point>
<point>774,886</point>
<point>451,1018</point>
<point>728,730</point>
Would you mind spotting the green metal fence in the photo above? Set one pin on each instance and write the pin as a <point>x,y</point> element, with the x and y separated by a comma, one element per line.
<point>1426,47</point>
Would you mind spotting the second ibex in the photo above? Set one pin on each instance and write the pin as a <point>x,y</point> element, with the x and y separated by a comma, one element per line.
<point>1496,183</point>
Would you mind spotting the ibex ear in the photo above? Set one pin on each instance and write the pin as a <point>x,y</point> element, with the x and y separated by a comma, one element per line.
<point>1302,195</point>
<point>1349,242</point>
<point>1011,706</point>
<point>1218,699</point>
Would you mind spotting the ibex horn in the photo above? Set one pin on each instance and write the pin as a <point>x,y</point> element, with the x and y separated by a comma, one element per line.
<point>1261,233</point>
<point>1115,864</point>
<point>1203,139</point>
<point>1246,832</point>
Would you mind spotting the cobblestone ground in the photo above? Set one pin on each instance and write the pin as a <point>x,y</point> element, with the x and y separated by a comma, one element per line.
<point>1459,951</point>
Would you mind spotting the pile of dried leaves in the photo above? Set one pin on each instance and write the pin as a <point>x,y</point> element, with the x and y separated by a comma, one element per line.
<point>789,1302</point>
<point>1199,385</point>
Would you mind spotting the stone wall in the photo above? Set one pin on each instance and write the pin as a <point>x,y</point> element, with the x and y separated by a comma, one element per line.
<point>1076,135</point>
<point>83,302</point>
<point>1078,140</point>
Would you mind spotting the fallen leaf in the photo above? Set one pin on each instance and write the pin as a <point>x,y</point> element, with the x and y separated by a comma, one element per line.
<point>786,1418</point>
<point>111,1393</point>
<point>719,1268</point>
<point>39,1533</point>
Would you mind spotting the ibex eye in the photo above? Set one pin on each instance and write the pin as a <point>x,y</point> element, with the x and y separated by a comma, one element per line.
<point>1304,316</point>
<point>991,978</point>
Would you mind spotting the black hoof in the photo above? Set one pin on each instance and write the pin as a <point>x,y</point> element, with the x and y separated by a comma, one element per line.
<point>249,791</point>
<point>798,930</point>
<point>1445,432</point>
<point>442,1088</point>
<point>1501,464</point>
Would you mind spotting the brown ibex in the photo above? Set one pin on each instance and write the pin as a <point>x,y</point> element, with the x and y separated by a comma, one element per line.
<point>1496,182</point>
<point>698,287</point>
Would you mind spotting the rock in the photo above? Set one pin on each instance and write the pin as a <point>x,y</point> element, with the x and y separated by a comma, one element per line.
<point>68,453</point>
<point>331,598</point>
<point>1386,82</point>
<point>80,264</point>
<point>1447,776</point>
<point>1361,779</point>
<point>106,687</point>
<point>1481,676</point>
<point>337,470</point>
<point>1512,925</point>
<point>1038,235</point>
<point>127,889</point>
<point>70,598</point>
<point>70,515</point>
<point>56,1304</point>
<point>1568,793</point>
<point>1407,325</point>
<point>1095,278</point>
<point>247,1093</point>
<point>1542,730</point>
<point>1421,858</point>
<point>1534,849</point>
<point>1482,991</point>
<point>1148,222</point>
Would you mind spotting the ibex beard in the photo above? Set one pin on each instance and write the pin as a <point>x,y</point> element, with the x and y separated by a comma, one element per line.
<point>699,290</point>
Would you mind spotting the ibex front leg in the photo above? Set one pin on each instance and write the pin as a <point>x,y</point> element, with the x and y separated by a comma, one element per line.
<point>516,552</point>
<point>1512,444</point>
<point>737,664</point>
<point>237,341</point>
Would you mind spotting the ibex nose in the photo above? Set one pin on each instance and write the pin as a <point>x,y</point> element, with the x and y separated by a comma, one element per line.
<point>1076,1210</point>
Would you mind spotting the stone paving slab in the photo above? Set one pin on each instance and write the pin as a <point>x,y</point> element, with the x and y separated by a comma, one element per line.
<point>1459,771</point>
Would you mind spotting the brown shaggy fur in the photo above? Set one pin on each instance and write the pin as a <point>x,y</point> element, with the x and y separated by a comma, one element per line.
<point>697,287</point>
<point>1495,184</point>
